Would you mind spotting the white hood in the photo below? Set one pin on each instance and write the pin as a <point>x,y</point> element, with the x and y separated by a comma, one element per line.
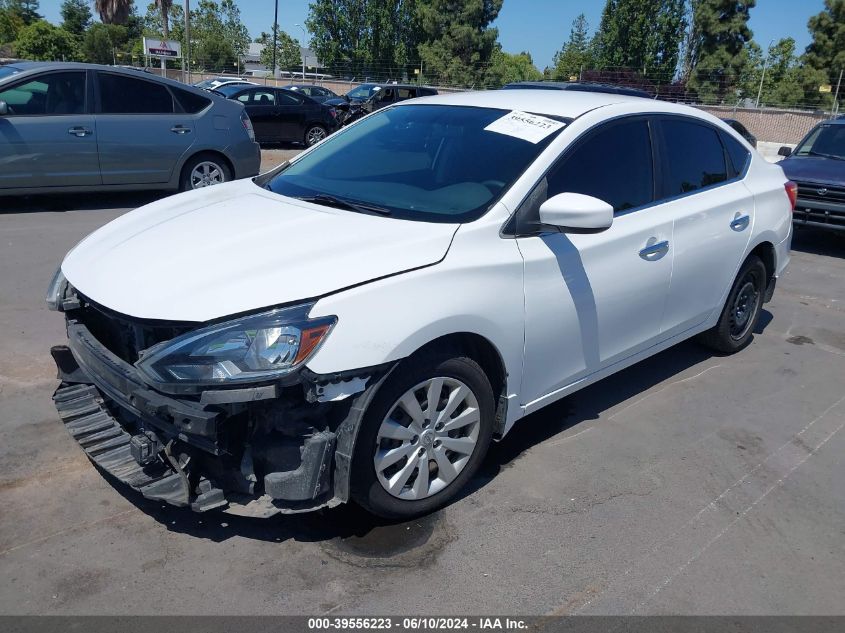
<point>237,247</point>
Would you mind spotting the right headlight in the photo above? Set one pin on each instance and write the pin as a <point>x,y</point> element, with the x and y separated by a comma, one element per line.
<point>250,349</point>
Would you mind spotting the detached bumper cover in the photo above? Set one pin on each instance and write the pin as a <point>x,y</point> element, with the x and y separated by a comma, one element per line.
<point>104,404</point>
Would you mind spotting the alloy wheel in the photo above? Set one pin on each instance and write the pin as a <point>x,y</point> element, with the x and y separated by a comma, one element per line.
<point>314,135</point>
<point>206,174</point>
<point>427,438</point>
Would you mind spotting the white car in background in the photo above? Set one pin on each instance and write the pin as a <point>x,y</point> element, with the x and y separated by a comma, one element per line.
<point>360,323</point>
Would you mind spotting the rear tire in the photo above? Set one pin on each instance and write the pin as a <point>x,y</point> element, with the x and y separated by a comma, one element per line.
<point>424,440</point>
<point>739,317</point>
<point>204,170</point>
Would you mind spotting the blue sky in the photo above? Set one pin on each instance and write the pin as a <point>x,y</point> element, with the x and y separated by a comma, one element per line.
<point>537,26</point>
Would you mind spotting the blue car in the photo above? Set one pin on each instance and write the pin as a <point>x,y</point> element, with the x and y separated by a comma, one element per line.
<point>81,127</point>
<point>817,165</point>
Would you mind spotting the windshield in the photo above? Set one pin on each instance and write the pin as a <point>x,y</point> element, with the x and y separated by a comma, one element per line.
<point>434,163</point>
<point>827,141</point>
<point>364,91</point>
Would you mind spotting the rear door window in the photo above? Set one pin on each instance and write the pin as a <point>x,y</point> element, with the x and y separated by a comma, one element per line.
<point>693,157</point>
<point>127,95</point>
<point>51,94</point>
<point>613,163</point>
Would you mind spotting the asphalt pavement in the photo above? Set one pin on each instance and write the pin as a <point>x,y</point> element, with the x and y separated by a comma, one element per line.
<point>687,484</point>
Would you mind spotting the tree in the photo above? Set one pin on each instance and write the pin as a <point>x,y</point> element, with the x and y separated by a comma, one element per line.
<point>41,41</point>
<point>827,48</point>
<point>235,31</point>
<point>365,37</point>
<point>113,11</point>
<point>506,68</point>
<point>456,40</point>
<point>288,56</point>
<point>76,17</point>
<point>14,16</point>
<point>575,54</point>
<point>210,42</point>
<point>641,34</point>
<point>719,46</point>
<point>103,42</point>
<point>164,7</point>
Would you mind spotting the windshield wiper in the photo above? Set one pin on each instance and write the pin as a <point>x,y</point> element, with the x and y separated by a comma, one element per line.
<point>340,203</point>
<point>823,155</point>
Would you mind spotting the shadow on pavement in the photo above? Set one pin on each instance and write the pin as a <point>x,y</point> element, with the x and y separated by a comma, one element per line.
<point>79,201</point>
<point>819,242</point>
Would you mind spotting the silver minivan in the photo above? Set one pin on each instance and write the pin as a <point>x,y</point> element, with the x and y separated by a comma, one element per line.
<point>82,127</point>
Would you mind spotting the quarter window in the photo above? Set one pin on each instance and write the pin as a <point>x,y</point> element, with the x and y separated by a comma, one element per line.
<point>126,95</point>
<point>694,157</point>
<point>613,164</point>
<point>52,94</point>
<point>738,155</point>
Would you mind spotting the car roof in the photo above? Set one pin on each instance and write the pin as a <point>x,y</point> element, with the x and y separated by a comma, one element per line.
<point>582,86</point>
<point>558,103</point>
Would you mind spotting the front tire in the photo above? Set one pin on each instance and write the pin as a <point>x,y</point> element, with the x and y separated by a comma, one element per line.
<point>423,437</point>
<point>739,317</point>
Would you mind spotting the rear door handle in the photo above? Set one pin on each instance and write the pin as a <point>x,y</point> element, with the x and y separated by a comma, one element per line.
<point>655,251</point>
<point>740,222</point>
<point>180,129</point>
<point>79,131</point>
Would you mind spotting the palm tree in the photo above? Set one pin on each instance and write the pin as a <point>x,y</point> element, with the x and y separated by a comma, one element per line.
<point>164,7</point>
<point>113,11</point>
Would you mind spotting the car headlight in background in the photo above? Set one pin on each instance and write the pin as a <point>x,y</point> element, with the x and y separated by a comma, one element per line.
<point>56,291</point>
<point>254,348</point>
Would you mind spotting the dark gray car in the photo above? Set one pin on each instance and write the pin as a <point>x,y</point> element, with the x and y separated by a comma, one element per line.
<point>83,127</point>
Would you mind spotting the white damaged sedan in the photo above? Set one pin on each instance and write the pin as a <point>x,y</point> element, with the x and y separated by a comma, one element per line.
<point>361,322</point>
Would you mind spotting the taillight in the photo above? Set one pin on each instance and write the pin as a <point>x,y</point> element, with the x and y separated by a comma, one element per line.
<point>248,126</point>
<point>792,192</point>
<point>333,113</point>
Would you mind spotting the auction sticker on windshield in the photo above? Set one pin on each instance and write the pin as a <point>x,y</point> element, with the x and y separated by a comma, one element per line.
<point>529,127</point>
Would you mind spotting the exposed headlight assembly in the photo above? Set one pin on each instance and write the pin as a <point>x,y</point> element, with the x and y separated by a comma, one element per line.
<point>250,349</point>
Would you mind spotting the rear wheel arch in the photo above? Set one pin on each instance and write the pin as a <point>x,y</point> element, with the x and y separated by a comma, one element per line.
<point>766,252</point>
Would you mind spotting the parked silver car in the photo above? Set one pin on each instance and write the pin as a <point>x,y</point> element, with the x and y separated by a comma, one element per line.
<point>83,127</point>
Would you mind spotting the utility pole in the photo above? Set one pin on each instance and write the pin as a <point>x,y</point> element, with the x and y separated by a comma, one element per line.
<point>187,54</point>
<point>763,78</point>
<point>275,36</point>
<point>305,36</point>
<point>836,96</point>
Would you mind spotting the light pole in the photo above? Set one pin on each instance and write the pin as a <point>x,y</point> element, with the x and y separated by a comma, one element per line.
<point>763,78</point>
<point>188,38</point>
<point>275,36</point>
<point>303,49</point>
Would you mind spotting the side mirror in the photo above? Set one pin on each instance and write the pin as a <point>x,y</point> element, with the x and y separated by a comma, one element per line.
<point>4,108</point>
<point>785,151</point>
<point>577,213</point>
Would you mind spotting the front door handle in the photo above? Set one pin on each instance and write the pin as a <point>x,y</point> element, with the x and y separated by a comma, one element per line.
<point>655,251</point>
<point>79,131</point>
<point>740,222</point>
<point>180,129</point>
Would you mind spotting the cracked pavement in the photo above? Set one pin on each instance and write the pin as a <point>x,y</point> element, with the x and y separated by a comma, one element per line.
<point>687,484</point>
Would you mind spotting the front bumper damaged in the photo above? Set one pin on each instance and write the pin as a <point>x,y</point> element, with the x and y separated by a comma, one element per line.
<point>257,451</point>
